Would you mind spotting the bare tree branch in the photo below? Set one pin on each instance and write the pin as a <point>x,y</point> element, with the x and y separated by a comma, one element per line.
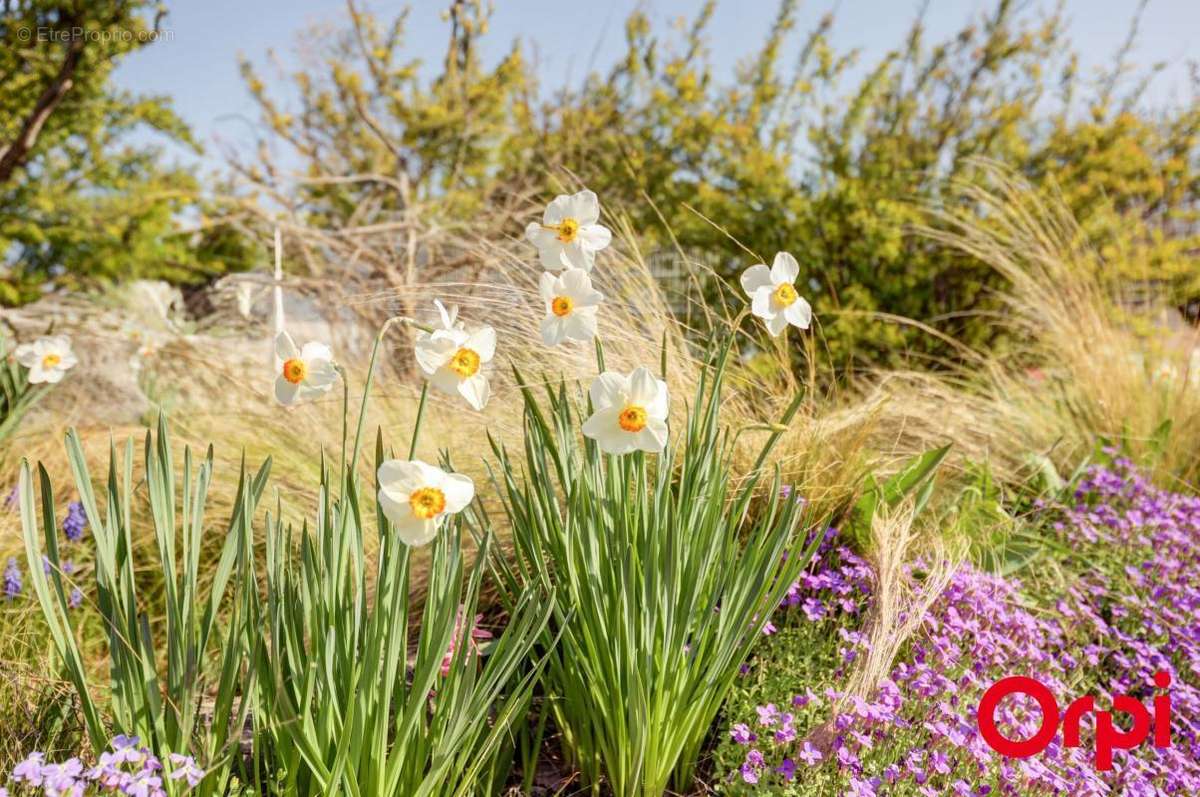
<point>14,155</point>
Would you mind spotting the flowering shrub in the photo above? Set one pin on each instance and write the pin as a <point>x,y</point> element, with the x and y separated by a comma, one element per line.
<point>1129,613</point>
<point>127,768</point>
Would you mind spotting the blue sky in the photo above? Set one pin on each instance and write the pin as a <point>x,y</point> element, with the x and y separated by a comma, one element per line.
<point>197,67</point>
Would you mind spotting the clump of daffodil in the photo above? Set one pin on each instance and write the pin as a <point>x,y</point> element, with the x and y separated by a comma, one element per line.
<point>773,296</point>
<point>569,235</point>
<point>453,360</point>
<point>304,374</point>
<point>629,412</point>
<point>48,358</point>
<point>416,498</point>
<point>571,305</point>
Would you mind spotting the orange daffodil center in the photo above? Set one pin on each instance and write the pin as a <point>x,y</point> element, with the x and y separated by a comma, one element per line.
<point>632,418</point>
<point>427,502</point>
<point>294,370</point>
<point>785,295</point>
<point>464,362</point>
<point>51,360</point>
<point>567,229</point>
<point>562,306</point>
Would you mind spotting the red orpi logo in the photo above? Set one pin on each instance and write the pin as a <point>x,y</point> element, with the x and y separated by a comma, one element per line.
<point>1108,736</point>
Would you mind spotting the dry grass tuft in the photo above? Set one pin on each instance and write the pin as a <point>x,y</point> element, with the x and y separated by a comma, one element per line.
<point>1081,360</point>
<point>900,601</point>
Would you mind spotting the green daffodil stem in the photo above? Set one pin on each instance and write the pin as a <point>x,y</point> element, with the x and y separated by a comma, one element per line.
<point>412,447</point>
<point>341,372</point>
<point>362,410</point>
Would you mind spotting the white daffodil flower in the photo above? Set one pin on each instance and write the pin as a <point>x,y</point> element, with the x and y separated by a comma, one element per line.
<point>306,373</point>
<point>773,296</point>
<point>571,306</point>
<point>416,498</point>
<point>453,361</point>
<point>629,412</point>
<point>569,236</point>
<point>46,358</point>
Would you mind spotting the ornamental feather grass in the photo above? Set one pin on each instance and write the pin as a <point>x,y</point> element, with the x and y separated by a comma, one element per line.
<point>665,577</point>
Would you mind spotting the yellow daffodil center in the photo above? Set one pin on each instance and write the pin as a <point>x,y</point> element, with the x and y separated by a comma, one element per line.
<point>294,370</point>
<point>427,502</point>
<point>51,360</point>
<point>465,363</point>
<point>785,295</point>
<point>632,418</point>
<point>562,306</point>
<point>567,229</point>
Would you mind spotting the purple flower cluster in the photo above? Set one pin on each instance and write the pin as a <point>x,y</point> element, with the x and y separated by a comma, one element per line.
<point>74,525</point>
<point>75,522</point>
<point>1131,613</point>
<point>128,769</point>
<point>12,579</point>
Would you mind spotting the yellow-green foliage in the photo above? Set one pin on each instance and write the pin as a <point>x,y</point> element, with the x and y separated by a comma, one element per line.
<point>79,202</point>
<point>787,155</point>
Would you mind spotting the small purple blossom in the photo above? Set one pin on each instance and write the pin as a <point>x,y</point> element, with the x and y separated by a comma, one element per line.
<point>75,522</point>
<point>741,733</point>
<point>12,579</point>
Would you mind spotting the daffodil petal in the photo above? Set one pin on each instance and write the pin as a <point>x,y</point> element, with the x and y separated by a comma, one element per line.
<point>760,303</point>
<point>559,208</point>
<point>595,237</point>
<point>581,324</point>
<point>26,355</point>
<point>756,277</point>
<point>554,329</point>
<point>608,389</point>
<point>643,387</point>
<point>553,257</point>
<point>602,422</point>
<point>285,347</point>
<point>653,438</point>
<point>475,390</point>
<point>776,324</point>
<point>576,282</point>
<point>483,342</point>
<point>445,380</point>
<point>432,352</point>
<point>415,532</point>
<point>784,268</point>
<point>321,374</point>
<point>575,256</point>
<point>285,391</point>
<point>548,286</point>
<point>459,491</point>
<point>402,476</point>
<point>584,207</point>
<point>799,313</point>
<point>314,350</point>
